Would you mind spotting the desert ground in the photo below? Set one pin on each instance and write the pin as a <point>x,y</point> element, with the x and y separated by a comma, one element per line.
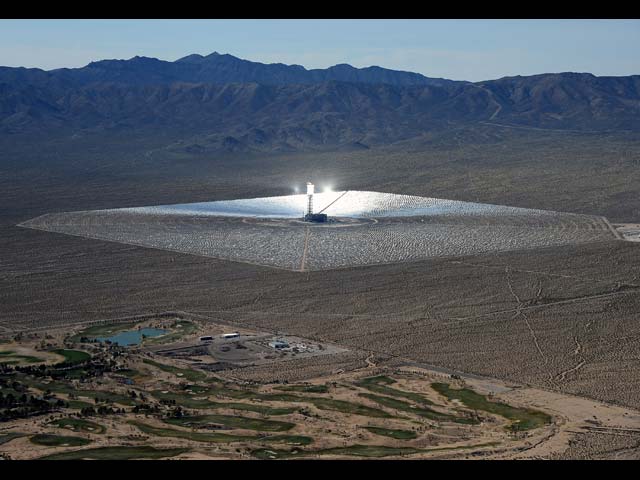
<point>561,320</point>
<point>154,400</point>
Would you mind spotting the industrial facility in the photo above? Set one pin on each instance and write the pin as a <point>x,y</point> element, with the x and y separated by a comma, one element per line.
<point>351,228</point>
<point>310,216</point>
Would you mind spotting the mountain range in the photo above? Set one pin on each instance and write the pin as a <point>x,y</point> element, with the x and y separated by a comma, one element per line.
<point>223,103</point>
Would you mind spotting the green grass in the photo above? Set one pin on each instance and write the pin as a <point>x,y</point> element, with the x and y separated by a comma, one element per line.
<point>245,394</point>
<point>73,356</point>
<point>117,453</point>
<point>420,411</point>
<point>289,439</point>
<point>236,393</point>
<point>29,359</point>
<point>109,397</point>
<point>370,451</point>
<point>374,451</point>
<point>15,393</point>
<point>54,385</point>
<point>327,404</point>
<point>275,454</point>
<point>13,358</point>
<point>58,440</point>
<point>250,407</point>
<point>232,421</point>
<point>79,404</point>
<point>196,436</point>
<point>76,373</point>
<point>64,388</point>
<point>184,400</point>
<point>186,328</point>
<point>188,401</point>
<point>79,425</point>
<point>348,407</point>
<point>397,434</point>
<point>128,373</point>
<point>7,437</point>
<point>187,374</point>
<point>521,418</point>
<point>304,388</point>
<point>380,384</point>
<point>198,389</point>
<point>219,437</point>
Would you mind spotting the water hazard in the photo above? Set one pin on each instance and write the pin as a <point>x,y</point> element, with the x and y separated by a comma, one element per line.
<point>132,337</point>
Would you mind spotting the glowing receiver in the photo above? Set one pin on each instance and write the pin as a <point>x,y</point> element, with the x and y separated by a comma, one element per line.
<point>309,188</point>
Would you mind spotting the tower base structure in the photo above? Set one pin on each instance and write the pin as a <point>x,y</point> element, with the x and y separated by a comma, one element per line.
<point>315,217</point>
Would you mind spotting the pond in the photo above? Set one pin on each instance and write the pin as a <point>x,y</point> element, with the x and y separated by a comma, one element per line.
<point>132,337</point>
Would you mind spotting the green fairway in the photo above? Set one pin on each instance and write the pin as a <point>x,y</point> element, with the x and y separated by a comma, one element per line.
<point>274,454</point>
<point>186,373</point>
<point>348,407</point>
<point>522,419</point>
<point>9,357</point>
<point>179,329</point>
<point>79,425</point>
<point>108,397</point>
<point>397,434</point>
<point>380,384</point>
<point>304,388</point>
<point>117,453</point>
<point>188,401</point>
<point>374,451</point>
<point>371,451</point>
<point>249,407</point>
<point>64,388</point>
<point>128,373</point>
<point>219,437</point>
<point>232,421</point>
<point>79,404</point>
<point>288,439</point>
<point>7,437</point>
<point>326,404</point>
<point>58,440</point>
<point>196,436</point>
<point>73,357</point>
<point>420,411</point>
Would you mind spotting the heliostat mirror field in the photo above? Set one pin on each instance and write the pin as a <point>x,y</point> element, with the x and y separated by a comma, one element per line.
<point>367,228</point>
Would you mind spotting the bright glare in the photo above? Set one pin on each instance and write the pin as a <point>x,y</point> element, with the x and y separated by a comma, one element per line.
<point>328,189</point>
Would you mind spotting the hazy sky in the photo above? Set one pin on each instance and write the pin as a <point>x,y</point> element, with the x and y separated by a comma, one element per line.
<point>457,49</point>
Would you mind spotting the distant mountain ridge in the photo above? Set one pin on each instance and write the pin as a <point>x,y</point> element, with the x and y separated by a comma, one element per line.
<point>224,68</point>
<point>223,103</point>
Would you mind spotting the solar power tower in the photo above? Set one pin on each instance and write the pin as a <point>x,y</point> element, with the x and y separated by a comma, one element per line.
<point>310,189</point>
<point>310,216</point>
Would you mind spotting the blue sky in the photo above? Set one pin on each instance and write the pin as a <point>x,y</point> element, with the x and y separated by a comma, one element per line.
<point>458,49</point>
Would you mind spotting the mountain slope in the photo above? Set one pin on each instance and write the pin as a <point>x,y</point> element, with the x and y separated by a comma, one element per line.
<point>215,69</point>
<point>220,102</point>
